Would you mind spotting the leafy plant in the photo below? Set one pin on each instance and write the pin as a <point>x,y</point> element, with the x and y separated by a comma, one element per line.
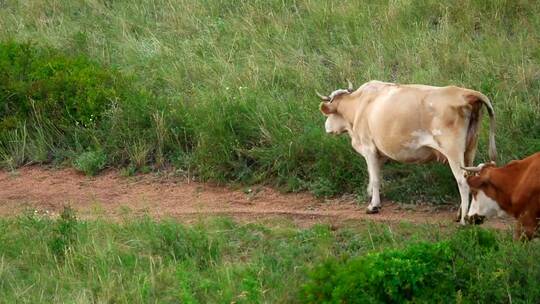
<point>465,267</point>
<point>419,272</point>
<point>69,90</point>
<point>90,162</point>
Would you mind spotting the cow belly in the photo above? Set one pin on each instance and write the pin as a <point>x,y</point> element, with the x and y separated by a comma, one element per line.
<point>419,155</point>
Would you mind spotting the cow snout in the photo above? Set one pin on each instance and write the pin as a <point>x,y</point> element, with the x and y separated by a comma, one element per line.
<point>475,219</point>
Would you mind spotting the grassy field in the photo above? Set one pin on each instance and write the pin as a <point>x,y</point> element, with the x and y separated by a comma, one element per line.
<point>224,90</point>
<point>140,260</point>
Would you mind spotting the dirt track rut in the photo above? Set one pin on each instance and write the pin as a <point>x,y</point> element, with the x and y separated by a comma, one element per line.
<point>111,195</point>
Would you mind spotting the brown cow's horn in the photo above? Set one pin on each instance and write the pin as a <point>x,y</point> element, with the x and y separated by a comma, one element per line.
<point>324,98</point>
<point>350,88</point>
<point>472,169</point>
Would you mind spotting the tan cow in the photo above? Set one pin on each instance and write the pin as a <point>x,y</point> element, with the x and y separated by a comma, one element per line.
<point>410,124</point>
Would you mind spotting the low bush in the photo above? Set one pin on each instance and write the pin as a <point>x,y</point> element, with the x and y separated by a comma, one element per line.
<point>67,90</point>
<point>418,272</point>
<point>467,267</point>
<point>65,104</point>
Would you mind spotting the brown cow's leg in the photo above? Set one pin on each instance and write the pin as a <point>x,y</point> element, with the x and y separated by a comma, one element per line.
<point>529,224</point>
<point>526,226</point>
<point>517,232</point>
<point>529,232</point>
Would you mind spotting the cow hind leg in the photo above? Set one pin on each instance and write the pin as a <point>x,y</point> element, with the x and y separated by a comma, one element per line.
<point>471,143</point>
<point>469,156</point>
<point>471,139</point>
<point>458,173</point>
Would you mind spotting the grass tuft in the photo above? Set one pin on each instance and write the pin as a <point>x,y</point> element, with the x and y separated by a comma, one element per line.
<point>90,162</point>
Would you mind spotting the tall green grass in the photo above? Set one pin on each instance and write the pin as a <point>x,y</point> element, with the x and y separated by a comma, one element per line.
<point>140,260</point>
<point>224,90</point>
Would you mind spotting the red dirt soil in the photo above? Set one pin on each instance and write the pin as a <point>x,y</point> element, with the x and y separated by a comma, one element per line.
<point>112,196</point>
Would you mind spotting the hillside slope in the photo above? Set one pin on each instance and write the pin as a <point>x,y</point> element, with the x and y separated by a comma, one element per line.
<point>224,90</point>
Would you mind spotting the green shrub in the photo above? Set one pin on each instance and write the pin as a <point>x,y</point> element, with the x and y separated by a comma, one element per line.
<point>417,273</point>
<point>68,90</point>
<point>90,162</point>
<point>474,265</point>
<point>66,103</point>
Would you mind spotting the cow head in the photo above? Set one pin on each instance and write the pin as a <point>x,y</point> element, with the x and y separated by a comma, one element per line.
<point>482,190</point>
<point>335,122</point>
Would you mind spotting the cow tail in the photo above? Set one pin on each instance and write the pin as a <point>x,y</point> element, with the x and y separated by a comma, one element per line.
<point>492,148</point>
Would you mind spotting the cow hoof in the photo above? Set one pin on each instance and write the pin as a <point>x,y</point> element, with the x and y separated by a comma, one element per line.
<point>373,210</point>
<point>458,217</point>
<point>477,219</point>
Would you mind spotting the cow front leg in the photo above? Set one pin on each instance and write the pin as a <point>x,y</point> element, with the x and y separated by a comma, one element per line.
<point>373,164</point>
<point>529,232</point>
<point>526,227</point>
<point>369,188</point>
<point>518,232</point>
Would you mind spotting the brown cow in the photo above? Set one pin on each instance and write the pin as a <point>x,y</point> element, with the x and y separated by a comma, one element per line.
<point>513,189</point>
<point>410,124</point>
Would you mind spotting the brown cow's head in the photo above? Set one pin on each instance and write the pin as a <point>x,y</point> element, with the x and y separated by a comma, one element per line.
<point>335,123</point>
<point>482,205</point>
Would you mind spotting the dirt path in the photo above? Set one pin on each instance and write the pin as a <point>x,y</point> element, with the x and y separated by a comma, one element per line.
<point>114,196</point>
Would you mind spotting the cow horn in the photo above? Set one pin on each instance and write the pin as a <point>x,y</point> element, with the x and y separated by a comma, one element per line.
<point>472,169</point>
<point>324,98</point>
<point>350,88</point>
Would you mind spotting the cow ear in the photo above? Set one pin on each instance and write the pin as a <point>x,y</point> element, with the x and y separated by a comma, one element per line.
<point>327,108</point>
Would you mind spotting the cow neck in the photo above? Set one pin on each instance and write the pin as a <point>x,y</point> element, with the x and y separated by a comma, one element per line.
<point>346,108</point>
<point>503,200</point>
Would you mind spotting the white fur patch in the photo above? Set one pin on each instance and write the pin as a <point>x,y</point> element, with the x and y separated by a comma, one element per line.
<point>335,124</point>
<point>485,206</point>
<point>421,138</point>
<point>436,132</point>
